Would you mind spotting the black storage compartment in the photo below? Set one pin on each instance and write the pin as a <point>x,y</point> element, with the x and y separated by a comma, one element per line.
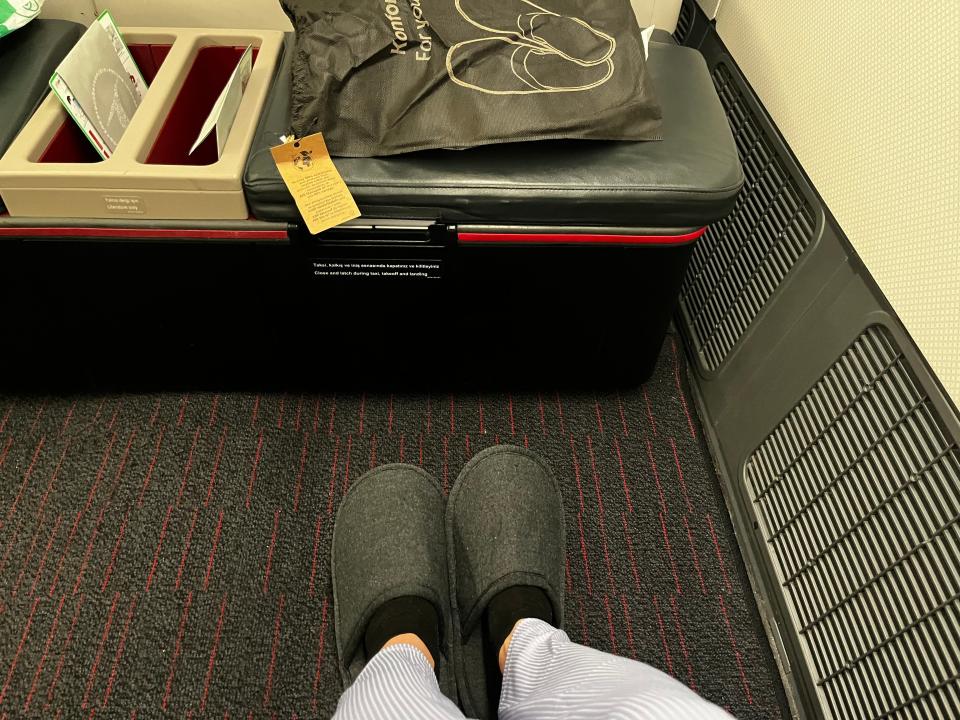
<point>534,263</point>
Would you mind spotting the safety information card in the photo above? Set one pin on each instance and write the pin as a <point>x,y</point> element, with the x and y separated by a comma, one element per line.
<point>100,85</point>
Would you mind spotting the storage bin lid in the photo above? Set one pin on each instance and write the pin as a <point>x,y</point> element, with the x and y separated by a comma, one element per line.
<point>689,179</point>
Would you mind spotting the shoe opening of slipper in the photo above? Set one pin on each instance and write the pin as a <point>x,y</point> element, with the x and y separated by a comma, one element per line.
<point>544,26</point>
<point>569,37</point>
<point>498,66</point>
<point>555,73</point>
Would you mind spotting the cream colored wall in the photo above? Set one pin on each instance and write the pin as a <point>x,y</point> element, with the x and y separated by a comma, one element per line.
<point>82,11</point>
<point>232,14</point>
<point>710,7</point>
<point>868,97</point>
<point>662,13</point>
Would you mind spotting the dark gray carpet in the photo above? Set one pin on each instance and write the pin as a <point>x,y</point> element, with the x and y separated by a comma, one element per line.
<point>169,553</point>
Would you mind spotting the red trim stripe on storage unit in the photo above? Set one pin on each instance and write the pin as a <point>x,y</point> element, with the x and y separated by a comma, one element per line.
<point>477,238</point>
<point>142,233</point>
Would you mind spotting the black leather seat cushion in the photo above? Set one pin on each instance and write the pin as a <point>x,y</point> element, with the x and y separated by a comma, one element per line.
<point>688,179</point>
<point>28,58</point>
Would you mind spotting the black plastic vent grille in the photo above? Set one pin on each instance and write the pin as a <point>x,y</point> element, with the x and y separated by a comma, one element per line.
<point>684,22</point>
<point>858,496</point>
<point>740,262</point>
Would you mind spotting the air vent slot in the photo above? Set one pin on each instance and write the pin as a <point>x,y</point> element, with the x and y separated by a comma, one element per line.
<point>684,22</point>
<point>857,492</point>
<point>740,262</point>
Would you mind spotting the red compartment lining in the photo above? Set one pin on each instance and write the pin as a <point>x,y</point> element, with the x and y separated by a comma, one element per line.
<point>211,70</point>
<point>69,145</point>
<point>149,58</point>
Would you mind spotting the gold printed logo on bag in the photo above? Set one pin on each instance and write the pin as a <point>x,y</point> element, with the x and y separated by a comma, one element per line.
<point>401,39</point>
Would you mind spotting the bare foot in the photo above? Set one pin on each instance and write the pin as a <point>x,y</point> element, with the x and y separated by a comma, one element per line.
<point>415,641</point>
<point>506,646</point>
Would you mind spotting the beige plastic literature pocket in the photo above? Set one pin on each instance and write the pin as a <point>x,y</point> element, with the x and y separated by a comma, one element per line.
<point>52,170</point>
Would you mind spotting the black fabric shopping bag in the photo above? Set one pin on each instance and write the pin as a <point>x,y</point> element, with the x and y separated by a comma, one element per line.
<point>381,77</point>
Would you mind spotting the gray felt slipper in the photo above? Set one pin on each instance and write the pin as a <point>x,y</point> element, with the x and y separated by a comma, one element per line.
<point>504,528</point>
<point>388,542</point>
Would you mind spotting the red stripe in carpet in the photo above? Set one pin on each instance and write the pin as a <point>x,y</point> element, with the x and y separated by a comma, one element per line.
<point>188,537</point>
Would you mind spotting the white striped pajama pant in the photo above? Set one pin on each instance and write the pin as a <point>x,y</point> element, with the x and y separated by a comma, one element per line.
<point>546,677</point>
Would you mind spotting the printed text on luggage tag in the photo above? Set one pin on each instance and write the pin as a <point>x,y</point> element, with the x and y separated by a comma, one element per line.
<point>322,196</point>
